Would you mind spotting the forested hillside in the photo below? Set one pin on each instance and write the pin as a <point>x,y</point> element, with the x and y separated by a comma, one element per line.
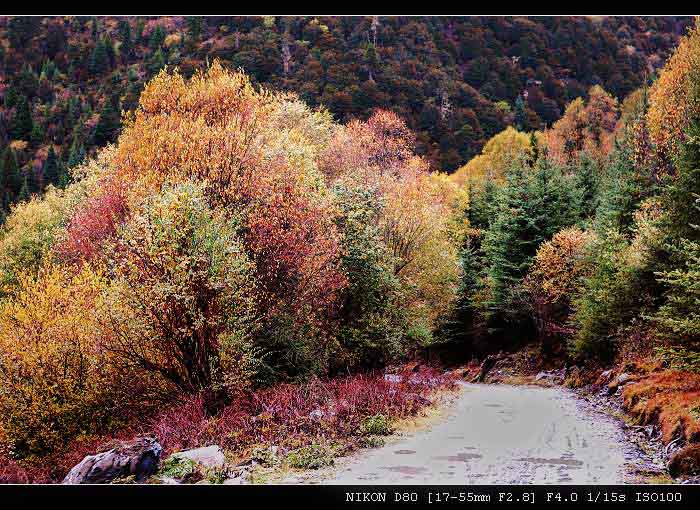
<point>456,82</point>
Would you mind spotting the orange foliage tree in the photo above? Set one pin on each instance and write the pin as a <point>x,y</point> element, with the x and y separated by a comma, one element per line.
<point>585,126</point>
<point>555,278</point>
<point>670,108</point>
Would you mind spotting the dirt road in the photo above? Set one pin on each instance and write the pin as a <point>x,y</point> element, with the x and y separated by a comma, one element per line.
<point>500,434</point>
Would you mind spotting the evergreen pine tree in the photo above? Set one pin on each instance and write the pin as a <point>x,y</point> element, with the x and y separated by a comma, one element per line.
<point>535,146</point>
<point>109,124</point>
<point>11,175</point>
<point>531,207</point>
<point>12,97</point>
<point>521,117</point>
<point>194,27</point>
<point>33,181</point>
<point>21,125</point>
<point>99,59</point>
<point>51,169</point>
<point>587,186</point>
<point>482,203</point>
<point>64,177</point>
<point>24,193</point>
<point>37,135</point>
<point>682,195</point>
<point>621,191</point>
<point>157,62</point>
<point>157,39</point>
<point>108,46</point>
<point>76,154</point>
<point>125,36</point>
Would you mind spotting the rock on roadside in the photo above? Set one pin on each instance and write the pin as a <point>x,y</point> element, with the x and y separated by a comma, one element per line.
<point>138,458</point>
<point>208,457</point>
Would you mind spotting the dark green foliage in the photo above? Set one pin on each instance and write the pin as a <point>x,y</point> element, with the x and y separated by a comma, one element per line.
<point>11,97</point>
<point>194,27</point>
<point>27,82</point>
<point>587,184</point>
<point>522,122</point>
<point>679,316</point>
<point>371,327</point>
<point>157,62</point>
<point>21,29</point>
<point>125,35</point>
<point>99,61</point>
<point>482,204</point>
<point>37,134</point>
<point>24,192</point>
<point>109,124</point>
<point>10,173</point>
<point>76,154</point>
<point>680,198</point>
<point>532,206</point>
<point>51,169</point>
<point>21,125</point>
<point>33,181</point>
<point>157,38</point>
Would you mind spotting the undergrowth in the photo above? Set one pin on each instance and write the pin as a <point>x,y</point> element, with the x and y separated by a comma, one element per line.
<point>301,419</point>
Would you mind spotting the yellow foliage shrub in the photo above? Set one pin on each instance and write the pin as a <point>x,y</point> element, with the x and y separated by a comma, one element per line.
<point>416,223</point>
<point>56,379</point>
<point>498,154</point>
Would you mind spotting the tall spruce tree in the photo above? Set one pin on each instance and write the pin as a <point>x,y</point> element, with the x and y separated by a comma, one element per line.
<point>21,125</point>
<point>109,124</point>
<point>125,48</point>
<point>521,117</point>
<point>587,186</point>
<point>533,205</point>
<point>51,169</point>
<point>11,175</point>
<point>99,61</point>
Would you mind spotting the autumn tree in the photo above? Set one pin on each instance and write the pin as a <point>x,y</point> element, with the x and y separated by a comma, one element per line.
<point>496,157</point>
<point>554,279</point>
<point>180,304</point>
<point>57,378</point>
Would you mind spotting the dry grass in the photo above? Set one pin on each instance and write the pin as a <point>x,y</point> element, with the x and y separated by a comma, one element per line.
<point>669,398</point>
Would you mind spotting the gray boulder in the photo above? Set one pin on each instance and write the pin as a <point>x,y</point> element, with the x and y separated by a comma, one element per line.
<point>208,457</point>
<point>619,382</point>
<point>138,458</point>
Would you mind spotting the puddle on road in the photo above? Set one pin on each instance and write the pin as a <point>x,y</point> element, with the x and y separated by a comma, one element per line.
<point>404,452</point>
<point>406,470</point>
<point>555,462</point>
<point>460,457</point>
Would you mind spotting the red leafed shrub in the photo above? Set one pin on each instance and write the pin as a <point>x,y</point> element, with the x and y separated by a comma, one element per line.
<point>382,146</point>
<point>95,221</point>
<point>286,414</point>
<point>296,247</point>
<point>289,413</point>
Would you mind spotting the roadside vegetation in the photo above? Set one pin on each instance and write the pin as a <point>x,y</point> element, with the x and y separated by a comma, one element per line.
<point>233,240</point>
